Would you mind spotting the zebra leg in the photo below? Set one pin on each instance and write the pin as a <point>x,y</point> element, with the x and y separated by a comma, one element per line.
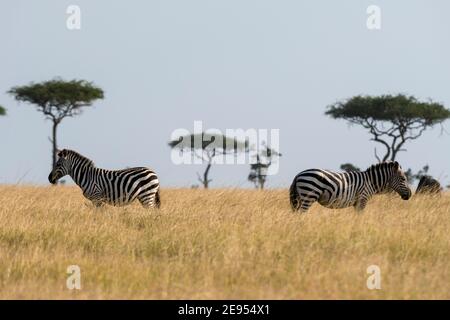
<point>148,200</point>
<point>97,204</point>
<point>294,197</point>
<point>299,200</point>
<point>361,204</point>
<point>307,198</point>
<point>305,204</point>
<point>157,199</point>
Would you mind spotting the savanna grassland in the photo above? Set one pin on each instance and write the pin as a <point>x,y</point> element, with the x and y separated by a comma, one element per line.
<point>220,244</point>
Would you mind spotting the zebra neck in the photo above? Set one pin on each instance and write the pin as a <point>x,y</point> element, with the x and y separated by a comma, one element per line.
<point>377,181</point>
<point>82,175</point>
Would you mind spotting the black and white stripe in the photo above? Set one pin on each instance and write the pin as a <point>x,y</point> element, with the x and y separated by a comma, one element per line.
<point>114,187</point>
<point>428,185</point>
<point>341,190</point>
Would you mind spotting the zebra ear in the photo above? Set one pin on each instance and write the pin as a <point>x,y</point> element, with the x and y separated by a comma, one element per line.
<point>60,153</point>
<point>396,165</point>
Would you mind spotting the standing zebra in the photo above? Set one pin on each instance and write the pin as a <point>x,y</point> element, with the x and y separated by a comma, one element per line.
<point>428,185</point>
<point>341,190</point>
<point>114,187</point>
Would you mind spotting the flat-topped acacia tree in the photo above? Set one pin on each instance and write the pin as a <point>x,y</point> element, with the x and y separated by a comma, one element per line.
<point>58,99</point>
<point>210,147</point>
<point>391,120</point>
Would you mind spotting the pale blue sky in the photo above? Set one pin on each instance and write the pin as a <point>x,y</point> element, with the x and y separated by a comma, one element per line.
<point>232,64</point>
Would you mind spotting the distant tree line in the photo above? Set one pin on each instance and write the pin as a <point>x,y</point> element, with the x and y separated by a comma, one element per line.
<point>391,120</point>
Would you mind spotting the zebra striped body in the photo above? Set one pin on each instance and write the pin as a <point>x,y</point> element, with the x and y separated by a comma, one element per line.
<point>341,190</point>
<point>114,187</point>
<point>428,185</point>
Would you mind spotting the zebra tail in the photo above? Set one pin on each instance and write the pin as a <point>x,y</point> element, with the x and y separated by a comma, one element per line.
<point>157,199</point>
<point>294,196</point>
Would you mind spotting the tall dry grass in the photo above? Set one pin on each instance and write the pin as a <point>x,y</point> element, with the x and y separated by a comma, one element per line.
<point>220,244</point>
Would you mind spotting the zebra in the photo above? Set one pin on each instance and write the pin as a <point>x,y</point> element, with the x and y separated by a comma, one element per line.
<point>428,185</point>
<point>341,190</point>
<point>100,186</point>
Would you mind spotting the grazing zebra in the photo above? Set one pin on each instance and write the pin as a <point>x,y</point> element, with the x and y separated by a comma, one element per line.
<point>428,185</point>
<point>114,187</point>
<point>341,190</point>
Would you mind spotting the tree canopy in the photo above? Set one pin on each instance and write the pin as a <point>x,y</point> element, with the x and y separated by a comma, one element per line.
<point>391,120</point>
<point>58,99</point>
<point>411,176</point>
<point>2,111</point>
<point>349,167</point>
<point>208,142</point>
<point>208,146</point>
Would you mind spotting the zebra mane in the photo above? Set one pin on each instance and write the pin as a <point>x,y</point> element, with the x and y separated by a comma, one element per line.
<point>382,165</point>
<point>76,155</point>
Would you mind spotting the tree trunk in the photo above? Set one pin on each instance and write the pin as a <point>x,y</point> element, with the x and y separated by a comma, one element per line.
<point>261,184</point>
<point>54,144</point>
<point>205,176</point>
<point>260,179</point>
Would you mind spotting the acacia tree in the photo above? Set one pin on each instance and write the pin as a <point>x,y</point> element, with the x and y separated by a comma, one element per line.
<point>58,99</point>
<point>208,147</point>
<point>411,176</point>
<point>258,170</point>
<point>391,120</point>
<point>349,167</point>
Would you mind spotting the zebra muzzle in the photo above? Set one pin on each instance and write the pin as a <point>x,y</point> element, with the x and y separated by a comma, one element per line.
<point>51,178</point>
<point>406,196</point>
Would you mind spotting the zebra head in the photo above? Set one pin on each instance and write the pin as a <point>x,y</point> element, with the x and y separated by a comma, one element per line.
<point>398,181</point>
<point>62,166</point>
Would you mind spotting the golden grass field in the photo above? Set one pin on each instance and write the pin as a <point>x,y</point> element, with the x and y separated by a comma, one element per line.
<point>220,244</point>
